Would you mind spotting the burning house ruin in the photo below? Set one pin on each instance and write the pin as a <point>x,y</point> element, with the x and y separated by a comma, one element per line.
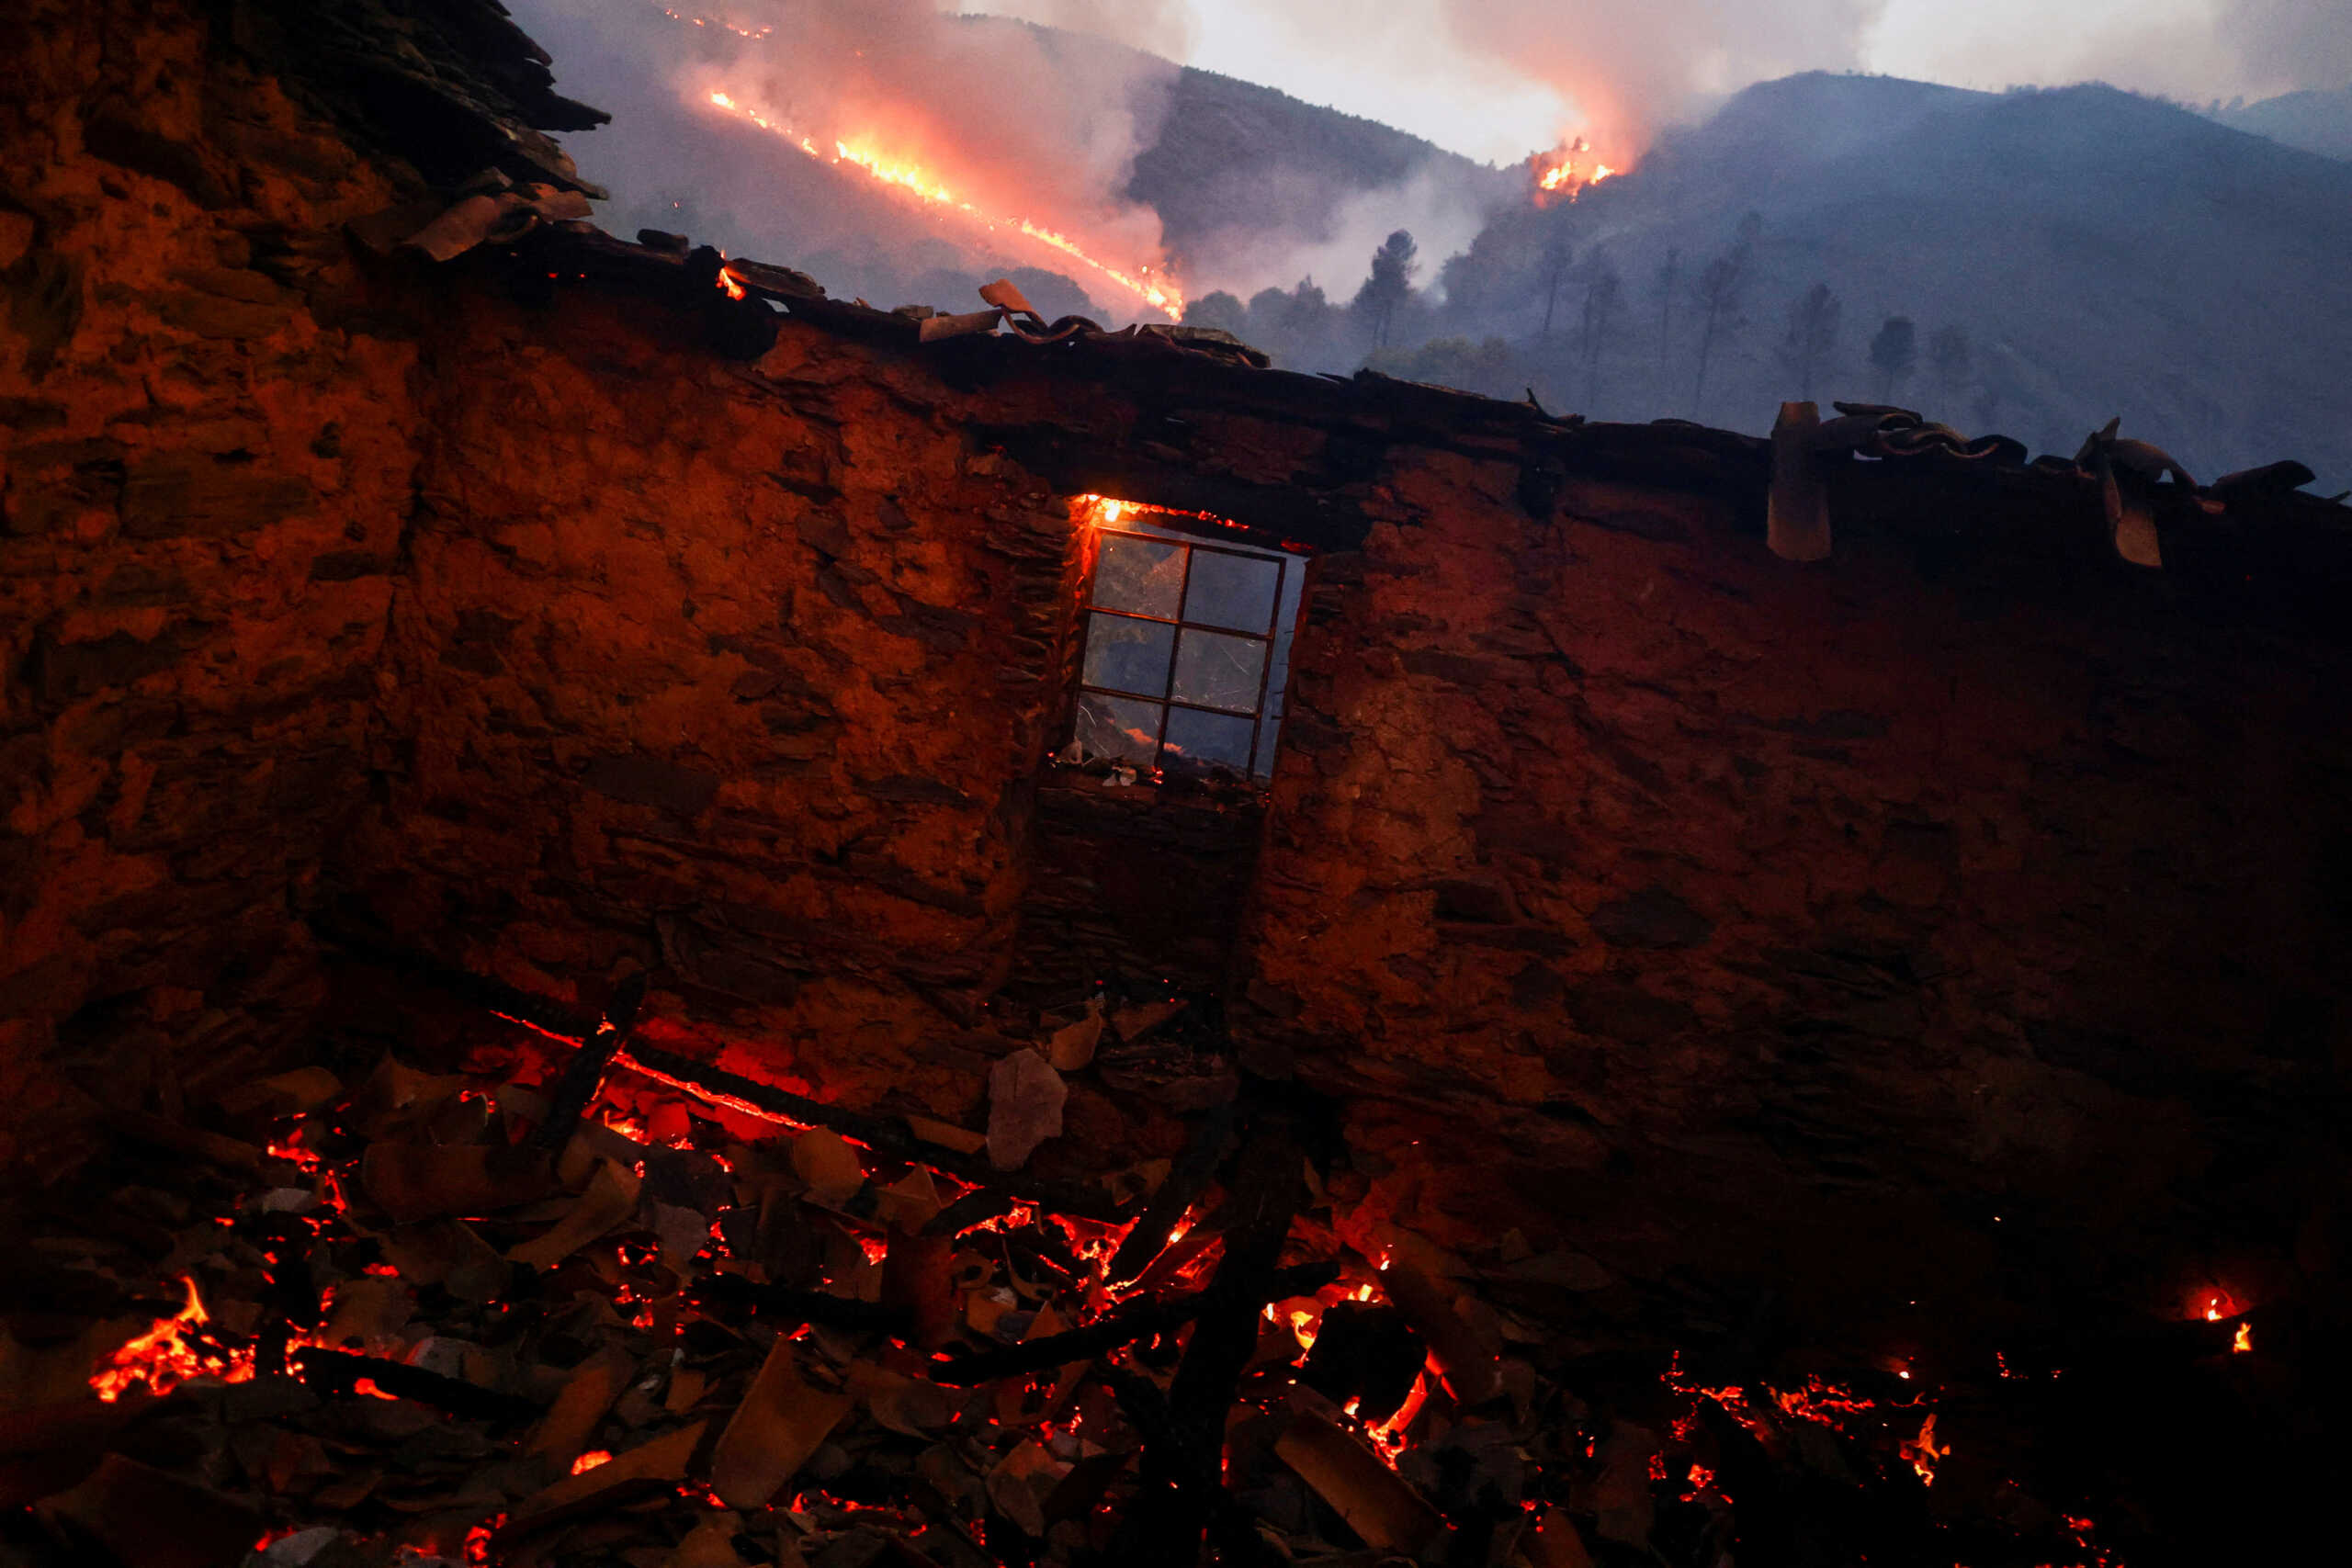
<point>648,917</point>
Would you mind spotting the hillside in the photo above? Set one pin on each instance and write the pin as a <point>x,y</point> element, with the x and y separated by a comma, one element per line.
<point>1244,179</point>
<point>2316,122</point>
<point>1235,161</point>
<point>2105,254</point>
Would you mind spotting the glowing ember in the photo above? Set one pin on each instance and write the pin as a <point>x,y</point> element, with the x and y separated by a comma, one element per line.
<point>1157,292</point>
<point>162,1358</point>
<point>732,287</point>
<point>2245,1341</point>
<point>591,1460</point>
<point>1923,1453</point>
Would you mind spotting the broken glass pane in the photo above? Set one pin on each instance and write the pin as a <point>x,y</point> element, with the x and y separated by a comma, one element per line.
<point>1219,672</point>
<point>1231,591</point>
<point>1127,655</point>
<point>1198,740</point>
<point>1141,575</point>
<point>1118,727</point>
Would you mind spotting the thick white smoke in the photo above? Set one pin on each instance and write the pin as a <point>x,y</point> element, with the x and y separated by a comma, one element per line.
<point>1630,69</point>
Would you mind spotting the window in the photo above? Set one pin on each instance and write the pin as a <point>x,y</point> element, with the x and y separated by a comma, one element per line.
<point>1187,645</point>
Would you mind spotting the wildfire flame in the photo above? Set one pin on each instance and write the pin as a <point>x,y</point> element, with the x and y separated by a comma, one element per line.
<point>1157,291</point>
<point>1557,176</point>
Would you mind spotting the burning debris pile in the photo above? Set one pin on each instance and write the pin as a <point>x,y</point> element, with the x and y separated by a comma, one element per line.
<point>590,1302</point>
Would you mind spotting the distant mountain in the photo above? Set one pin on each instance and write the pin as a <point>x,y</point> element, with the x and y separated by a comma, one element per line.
<point>2317,122</point>
<point>2103,254</point>
<point>1235,161</point>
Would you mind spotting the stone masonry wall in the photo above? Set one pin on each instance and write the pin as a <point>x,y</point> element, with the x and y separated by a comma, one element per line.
<point>1872,926</point>
<point>1623,884</point>
<point>205,459</point>
<point>739,675</point>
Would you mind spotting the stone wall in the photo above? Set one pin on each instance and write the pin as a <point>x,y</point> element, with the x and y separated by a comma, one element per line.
<point>740,674</point>
<point>1624,885</point>
<point>206,451</point>
<point>1868,927</point>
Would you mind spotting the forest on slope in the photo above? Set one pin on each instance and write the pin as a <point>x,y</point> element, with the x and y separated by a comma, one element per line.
<point>2034,261</point>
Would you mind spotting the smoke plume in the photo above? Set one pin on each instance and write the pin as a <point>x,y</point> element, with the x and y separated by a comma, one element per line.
<point>1020,123</point>
<point>1630,69</point>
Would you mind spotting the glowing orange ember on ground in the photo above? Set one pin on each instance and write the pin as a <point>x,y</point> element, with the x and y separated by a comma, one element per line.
<point>2245,1341</point>
<point>163,1358</point>
<point>590,1461</point>
<point>919,183</point>
<point>1923,1453</point>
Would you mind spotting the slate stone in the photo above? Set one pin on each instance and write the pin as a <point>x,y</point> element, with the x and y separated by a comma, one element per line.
<point>1651,918</point>
<point>647,780</point>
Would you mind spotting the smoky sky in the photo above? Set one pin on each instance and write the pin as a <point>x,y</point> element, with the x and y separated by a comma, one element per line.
<point>1494,78</point>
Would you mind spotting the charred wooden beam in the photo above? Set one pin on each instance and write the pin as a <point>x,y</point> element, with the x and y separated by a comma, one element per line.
<point>779,1304</point>
<point>336,1372</point>
<point>585,1073</point>
<point>1123,1326</point>
<point>1172,1508</point>
<point>1185,1183</point>
<point>880,1134</point>
<point>559,1021</point>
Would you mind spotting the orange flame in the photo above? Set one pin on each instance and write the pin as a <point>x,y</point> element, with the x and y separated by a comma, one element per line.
<point>732,287</point>
<point>1160,292</point>
<point>591,1460</point>
<point>1923,1453</point>
<point>1557,176</point>
<point>2245,1341</point>
<point>162,1359</point>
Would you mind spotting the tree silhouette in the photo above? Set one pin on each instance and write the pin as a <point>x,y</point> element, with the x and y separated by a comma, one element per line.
<point>1556,258</point>
<point>1811,336</point>
<point>1602,294</point>
<point>1391,282</point>
<point>1719,295</point>
<point>1670,275</point>
<point>1219,310</point>
<point>1894,351</point>
<point>1949,358</point>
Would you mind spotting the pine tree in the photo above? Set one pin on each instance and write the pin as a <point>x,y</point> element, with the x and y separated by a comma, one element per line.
<point>1389,286</point>
<point>1719,294</point>
<point>1894,351</point>
<point>1602,294</point>
<point>1811,336</point>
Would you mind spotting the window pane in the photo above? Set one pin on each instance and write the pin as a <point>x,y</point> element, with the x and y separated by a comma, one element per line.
<point>1127,655</point>
<point>1231,591</point>
<point>1141,575</point>
<point>1268,733</point>
<point>1199,740</point>
<point>1219,672</point>
<point>1118,727</point>
<point>1294,587</point>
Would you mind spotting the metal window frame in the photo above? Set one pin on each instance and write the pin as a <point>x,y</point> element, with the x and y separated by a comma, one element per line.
<point>1166,700</point>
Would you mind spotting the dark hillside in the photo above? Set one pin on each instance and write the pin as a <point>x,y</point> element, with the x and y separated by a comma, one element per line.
<point>2102,253</point>
<point>1234,157</point>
